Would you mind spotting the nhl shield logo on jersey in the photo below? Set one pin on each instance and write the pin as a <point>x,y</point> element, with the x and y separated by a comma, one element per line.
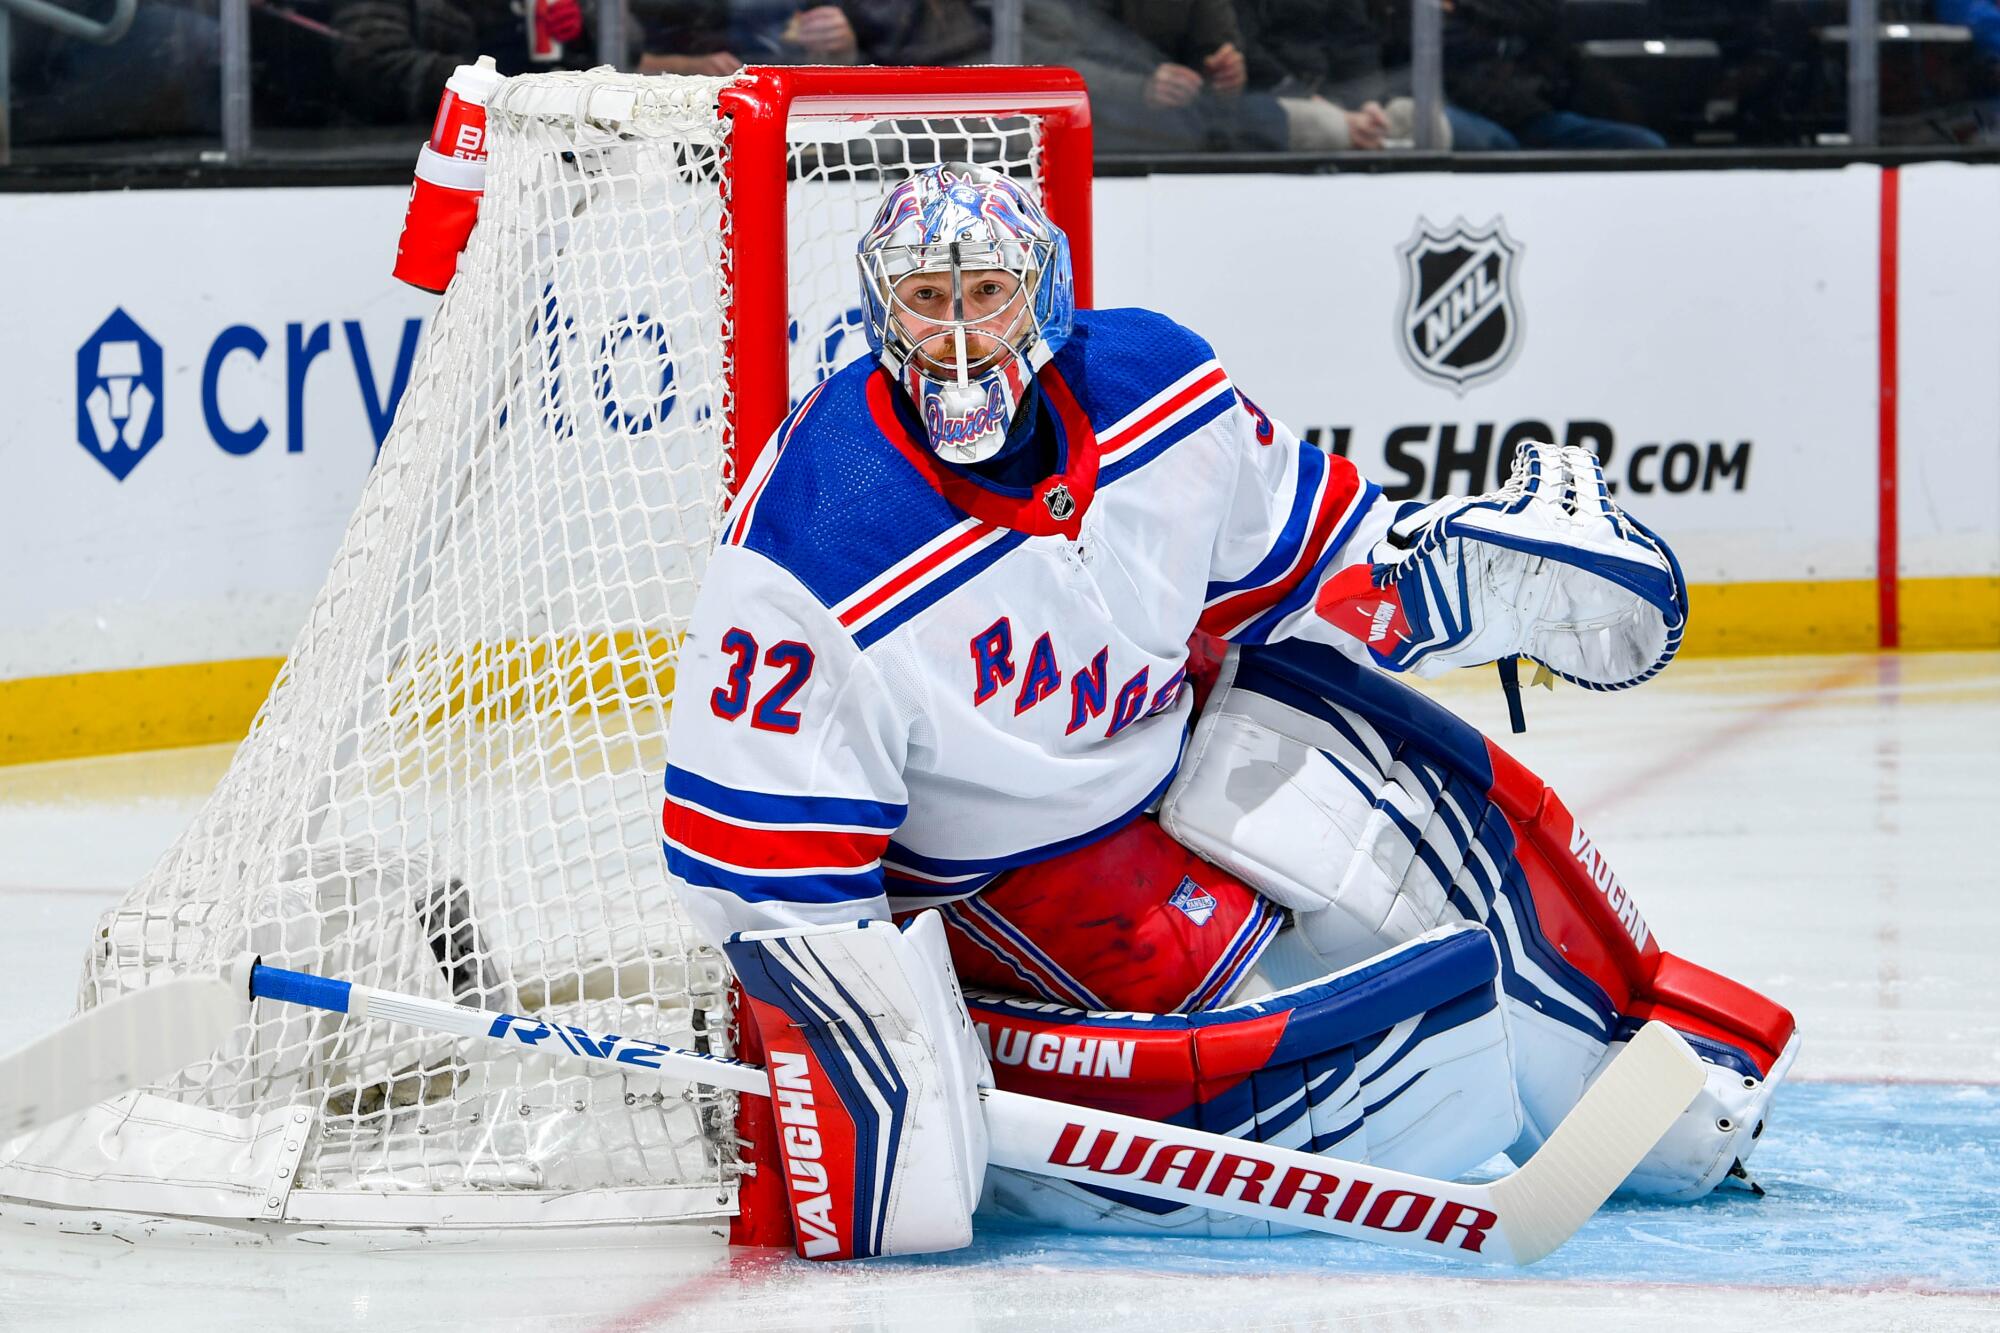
<point>1060,502</point>
<point>1460,320</point>
<point>1192,899</point>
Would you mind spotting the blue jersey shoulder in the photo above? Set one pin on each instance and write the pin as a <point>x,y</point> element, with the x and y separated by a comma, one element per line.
<point>1117,359</point>
<point>840,505</point>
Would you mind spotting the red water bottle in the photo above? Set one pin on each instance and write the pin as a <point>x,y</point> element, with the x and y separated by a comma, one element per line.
<point>451,173</point>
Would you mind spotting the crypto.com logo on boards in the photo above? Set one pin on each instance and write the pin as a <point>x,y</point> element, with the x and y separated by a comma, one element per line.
<point>120,415</point>
<point>121,386</point>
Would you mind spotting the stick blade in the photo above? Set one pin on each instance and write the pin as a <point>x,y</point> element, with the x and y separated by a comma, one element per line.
<point>133,1040</point>
<point>1610,1130</point>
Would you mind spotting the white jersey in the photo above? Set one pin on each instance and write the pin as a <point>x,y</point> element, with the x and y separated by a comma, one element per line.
<point>900,681</point>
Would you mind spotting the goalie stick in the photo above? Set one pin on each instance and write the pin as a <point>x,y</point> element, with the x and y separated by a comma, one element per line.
<point>139,1037</point>
<point>1517,1219</point>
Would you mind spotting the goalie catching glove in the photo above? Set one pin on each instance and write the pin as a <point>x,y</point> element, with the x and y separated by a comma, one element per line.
<point>875,1077</point>
<point>1546,567</point>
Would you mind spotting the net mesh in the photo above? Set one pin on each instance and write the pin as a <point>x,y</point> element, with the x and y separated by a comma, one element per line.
<point>452,789</point>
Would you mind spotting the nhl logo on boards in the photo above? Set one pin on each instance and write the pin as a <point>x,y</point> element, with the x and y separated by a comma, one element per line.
<point>1460,319</point>
<point>1197,903</point>
<point>1060,502</point>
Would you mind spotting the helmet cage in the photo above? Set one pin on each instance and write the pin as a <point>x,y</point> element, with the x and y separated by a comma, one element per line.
<point>892,319</point>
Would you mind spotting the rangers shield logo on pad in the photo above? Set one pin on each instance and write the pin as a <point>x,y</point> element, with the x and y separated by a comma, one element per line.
<point>1198,903</point>
<point>1460,320</point>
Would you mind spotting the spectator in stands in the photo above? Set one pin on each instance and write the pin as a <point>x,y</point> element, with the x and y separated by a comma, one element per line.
<point>397,54</point>
<point>1332,50</point>
<point>1982,18</point>
<point>1171,76</point>
<point>778,32</point>
<point>1509,70</point>
<point>160,77</point>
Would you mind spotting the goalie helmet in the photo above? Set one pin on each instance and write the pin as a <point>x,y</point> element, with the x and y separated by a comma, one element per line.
<point>965,347</point>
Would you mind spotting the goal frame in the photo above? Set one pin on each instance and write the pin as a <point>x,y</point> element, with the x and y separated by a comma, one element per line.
<point>281,843</point>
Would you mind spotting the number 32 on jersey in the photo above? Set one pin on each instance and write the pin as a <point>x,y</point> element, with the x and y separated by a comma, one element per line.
<point>731,700</point>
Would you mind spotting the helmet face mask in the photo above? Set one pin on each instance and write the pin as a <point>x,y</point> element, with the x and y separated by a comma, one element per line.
<point>966,285</point>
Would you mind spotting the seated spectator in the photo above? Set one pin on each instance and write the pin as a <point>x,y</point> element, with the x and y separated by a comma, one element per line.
<point>720,36</point>
<point>1982,19</point>
<point>1171,76</point>
<point>1509,70</point>
<point>398,53</point>
<point>1332,50</point>
<point>162,76</point>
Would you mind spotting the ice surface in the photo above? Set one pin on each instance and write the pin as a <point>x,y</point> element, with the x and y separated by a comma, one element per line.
<point>1818,828</point>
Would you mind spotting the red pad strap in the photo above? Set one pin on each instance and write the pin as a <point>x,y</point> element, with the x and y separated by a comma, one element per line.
<point>1151,1065</point>
<point>1161,1065</point>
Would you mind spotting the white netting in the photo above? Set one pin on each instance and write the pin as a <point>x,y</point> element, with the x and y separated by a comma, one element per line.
<point>453,788</point>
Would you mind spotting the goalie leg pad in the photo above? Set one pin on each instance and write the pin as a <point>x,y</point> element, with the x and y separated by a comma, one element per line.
<point>874,1084</point>
<point>1402,1060</point>
<point>1373,812</point>
<point>1312,811</point>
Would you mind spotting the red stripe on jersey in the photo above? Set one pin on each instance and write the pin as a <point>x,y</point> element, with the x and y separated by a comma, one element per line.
<point>1172,407</point>
<point>916,573</point>
<point>1341,484</point>
<point>713,839</point>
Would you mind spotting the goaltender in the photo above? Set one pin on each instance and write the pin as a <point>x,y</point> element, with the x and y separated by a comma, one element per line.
<point>1031,633</point>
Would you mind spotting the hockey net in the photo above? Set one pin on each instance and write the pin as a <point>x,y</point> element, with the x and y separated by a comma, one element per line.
<point>453,787</point>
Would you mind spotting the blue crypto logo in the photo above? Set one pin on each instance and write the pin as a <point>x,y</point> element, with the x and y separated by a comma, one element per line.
<point>119,385</point>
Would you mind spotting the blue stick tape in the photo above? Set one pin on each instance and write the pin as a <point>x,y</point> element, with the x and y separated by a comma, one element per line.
<point>275,983</point>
